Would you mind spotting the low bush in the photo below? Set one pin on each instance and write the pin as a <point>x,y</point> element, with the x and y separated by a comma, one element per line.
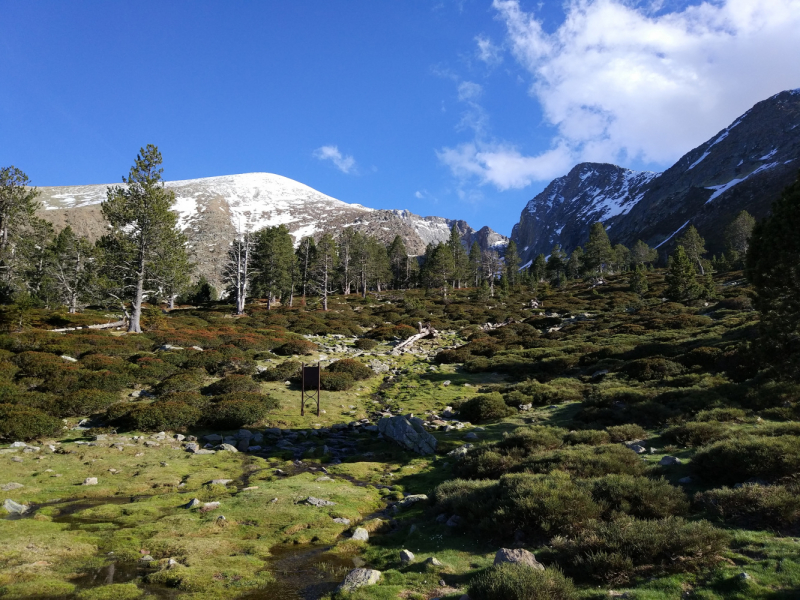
<point>588,437</point>
<point>336,382</point>
<point>755,506</point>
<point>25,423</point>
<point>485,407</point>
<point>520,582</point>
<point>185,381</point>
<point>365,344</point>
<point>586,461</point>
<point>152,369</point>
<point>696,434</point>
<point>649,369</point>
<point>613,552</point>
<point>357,370</point>
<point>232,384</point>
<point>640,497</point>
<point>163,415</point>
<point>740,459</point>
<point>231,414</point>
<point>453,355</point>
<point>735,415</point>
<point>626,433</point>
<point>297,347</point>
<point>283,372</point>
<point>82,403</point>
<point>533,439</point>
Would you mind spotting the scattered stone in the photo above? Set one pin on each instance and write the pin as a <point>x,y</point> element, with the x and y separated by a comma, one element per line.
<point>453,521</point>
<point>180,437</point>
<point>432,560</point>
<point>172,563</point>
<point>637,448</point>
<point>446,383</point>
<point>461,451</point>
<point>149,444</point>
<point>227,448</point>
<point>412,499</point>
<point>248,488</point>
<point>408,432</point>
<point>193,503</point>
<point>342,521</point>
<point>146,559</point>
<point>192,447</point>
<point>745,576</point>
<point>359,578</point>
<point>205,451</point>
<point>318,502</point>
<point>471,437</point>
<point>685,480</point>
<point>69,358</point>
<point>669,461</point>
<point>90,481</point>
<point>210,506</point>
<point>517,556</point>
<point>212,438</point>
<point>7,487</point>
<point>441,518</point>
<point>16,459</point>
<point>324,478</point>
<point>406,556</point>
<point>361,535</point>
<point>413,529</point>
<point>220,481</point>
<point>14,508</point>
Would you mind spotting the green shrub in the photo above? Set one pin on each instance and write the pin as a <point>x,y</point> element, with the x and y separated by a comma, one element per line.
<point>739,459</point>
<point>588,437</point>
<point>336,382</point>
<point>365,344</point>
<point>613,552</point>
<point>356,369</point>
<point>649,369</point>
<point>453,355</point>
<point>626,433</point>
<point>232,384</point>
<point>25,423</point>
<point>42,364</point>
<point>297,347</point>
<point>185,381</point>
<point>163,415</point>
<point>485,407</point>
<point>586,461</point>
<point>697,433</point>
<point>519,582</point>
<point>284,371</point>
<point>100,362</point>
<point>755,506</point>
<point>152,369</point>
<point>533,439</point>
<point>639,496</point>
<point>83,402</point>
<point>736,415</point>
<point>231,414</point>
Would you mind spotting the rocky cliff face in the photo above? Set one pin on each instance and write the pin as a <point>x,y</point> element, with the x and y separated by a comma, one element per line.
<point>213,209</point>
<point>744,167</point>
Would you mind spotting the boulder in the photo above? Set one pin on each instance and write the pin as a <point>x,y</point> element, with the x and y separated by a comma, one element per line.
<point>342,521</point>
<point>669,461</point>
<point>406,556</point>
<point>205,451</point>
<point>453,521</point>
<point>408,432</point>
<point>243,445</point>
<point>433,561</point>
<point>318,502</point>
<point>212,438</point>
<point>471,437</point>
<point>7,487</point>
<point>361,535</point>
<point>227,448</point>
<point>358,578</point>
<point>15,508</point>
<point>412,499</point>
<point>517,556</point>
<point>220,481</point>
<point>193,503</point>
<point>90,481</point>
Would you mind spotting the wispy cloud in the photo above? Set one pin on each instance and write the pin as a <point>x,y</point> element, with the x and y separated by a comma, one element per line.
<point>488,52</point>
<point>344,162</point>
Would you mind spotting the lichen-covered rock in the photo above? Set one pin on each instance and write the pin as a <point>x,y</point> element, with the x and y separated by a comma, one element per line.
<point>14,508</point>
<point>408,432</point>
<point>361,535</point>
<point>517,556</point>
<point>412,499</point>
<point>406,556</point>
<point>359,578</point>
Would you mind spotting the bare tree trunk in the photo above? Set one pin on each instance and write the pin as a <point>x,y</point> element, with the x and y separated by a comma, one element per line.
<point>171,301</point>
<point>325,290</point>
<point>135,323</point>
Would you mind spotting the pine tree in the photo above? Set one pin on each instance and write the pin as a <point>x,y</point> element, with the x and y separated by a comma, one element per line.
<point>739,231</point>
<point>378,269</point>
<point>72,266</point>
<point>475,262</point>
<point>325,263</point>
<point>174,270</point>
<point>575,264</point>
<point>622,258</point>
<point>538,269</point>
<point>306,255</point>
<point>681,278</point>
<point>273,255</point>
<point>460,258</point>
<point>350,243</point>
<point>556,264</point>
<point>694,246</point>
<point>492,268</point>
<point>773,267</point>
<point>143,232</point>
<point>399,261</point>
<point>511,259</point>
<point>438,268</point>
<point>598,253</point>
<point>238,268</point>
<point>639,284</point>
<point>642,254</point>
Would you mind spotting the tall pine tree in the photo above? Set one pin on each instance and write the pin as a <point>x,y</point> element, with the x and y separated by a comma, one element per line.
<point>274,253</point>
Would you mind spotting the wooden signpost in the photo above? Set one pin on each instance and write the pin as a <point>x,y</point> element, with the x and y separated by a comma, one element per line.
<point>311,385</point>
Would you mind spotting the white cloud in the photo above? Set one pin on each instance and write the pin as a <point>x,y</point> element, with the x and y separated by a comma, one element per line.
<point>622,84</point>
<point>419,195</point>
<point>344,162</point>
<point>488,52</point>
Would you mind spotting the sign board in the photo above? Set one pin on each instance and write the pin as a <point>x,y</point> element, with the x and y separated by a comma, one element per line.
<point>310,376</point>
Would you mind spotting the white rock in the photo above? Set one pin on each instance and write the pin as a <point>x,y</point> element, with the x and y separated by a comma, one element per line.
<point>90,481</point>
<point>361,535</point>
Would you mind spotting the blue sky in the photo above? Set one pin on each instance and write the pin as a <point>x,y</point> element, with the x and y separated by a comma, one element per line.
<point>463,109</point>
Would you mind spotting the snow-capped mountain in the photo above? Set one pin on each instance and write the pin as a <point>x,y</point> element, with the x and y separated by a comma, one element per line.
<point>744,167</point>
<point>211,210</point>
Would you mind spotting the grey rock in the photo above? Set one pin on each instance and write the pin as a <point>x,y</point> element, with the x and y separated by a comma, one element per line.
<point>406,556</point>
<point>192,447</point>
<point>69,358</point>
<point>359,578</point>
<point>193,503</point>
<point>412,499</point>
<point>318,502</point>
<point>342,521</point>
<point>361,535</point>
<point>441,518</point>
<point>211,506</point>
<point>212,438</point>
<point>324,478</point>
<point>408,432</point>
<point>669,461</point>
<point>254,448</point>
<point>90,481</point>
<point>637,448</point>
<point>461,451</point>
<point>7,487</point>
<point>685,480</point>
<point>453,521</point>
<point>180,437</point>
<point>244,433</point>
<point>243,445</point>
<point>471,437</point>
<point>517,556</point>
<point>432,560</point>
<point>220,481</point>
<point>15,508</point>
<point>227,448</point>
<point>205,451</point>
<point>745,576</point>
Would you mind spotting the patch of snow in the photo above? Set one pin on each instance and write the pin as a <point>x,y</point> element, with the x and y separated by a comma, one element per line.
<point>673,234</point>
<point>770,155</point>
<point>721,189</point>
<point>526,265</point>
<point>698,161</point>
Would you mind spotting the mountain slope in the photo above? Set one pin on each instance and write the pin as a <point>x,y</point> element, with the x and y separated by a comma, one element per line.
<point>212,209</point>
<point>743,167</point>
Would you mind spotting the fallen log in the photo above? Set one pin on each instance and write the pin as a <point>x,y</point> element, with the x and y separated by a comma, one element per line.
<point>121,323</point>
<point>425,331</point>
